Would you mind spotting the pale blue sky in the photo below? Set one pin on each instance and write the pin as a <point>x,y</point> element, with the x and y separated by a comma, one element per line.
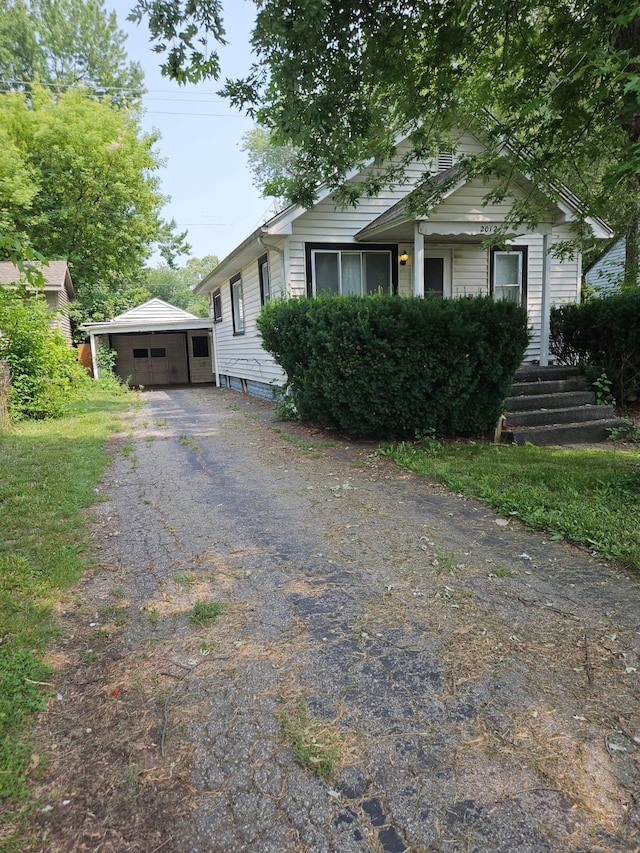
<point>206,173</point>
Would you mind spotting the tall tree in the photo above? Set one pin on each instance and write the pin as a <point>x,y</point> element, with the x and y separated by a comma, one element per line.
<point>92,192</point>
<point>270,162</point>
<point>560,81</point>
<point>64,43</point>
<point>175,285</point>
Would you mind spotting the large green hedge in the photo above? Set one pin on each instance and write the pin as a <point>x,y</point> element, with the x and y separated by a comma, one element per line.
<point>603,332</point>
<point>388,366</point>
<point>45,373</point>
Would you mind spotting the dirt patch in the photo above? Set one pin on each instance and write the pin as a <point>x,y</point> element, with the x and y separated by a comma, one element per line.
<point>477,685</point>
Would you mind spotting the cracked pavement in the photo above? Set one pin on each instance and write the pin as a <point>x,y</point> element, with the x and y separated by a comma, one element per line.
<point>462,667</point>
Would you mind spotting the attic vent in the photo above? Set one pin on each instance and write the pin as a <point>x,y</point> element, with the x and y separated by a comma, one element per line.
<point>445,160</point>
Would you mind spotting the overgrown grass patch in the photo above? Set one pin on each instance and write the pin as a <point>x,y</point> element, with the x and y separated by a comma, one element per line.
<point>587,496</point>
<point>314,744</point>
<point>205,612</point>
<point>48,473</point>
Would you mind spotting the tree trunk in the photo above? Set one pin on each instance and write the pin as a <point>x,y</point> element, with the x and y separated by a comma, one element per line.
<point>631,252</point>
<point>628,41</point>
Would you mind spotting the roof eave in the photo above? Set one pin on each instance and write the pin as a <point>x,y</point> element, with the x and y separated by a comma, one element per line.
<point>141,328</point>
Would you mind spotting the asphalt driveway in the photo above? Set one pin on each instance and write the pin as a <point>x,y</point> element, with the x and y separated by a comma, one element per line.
<point>394,667</point>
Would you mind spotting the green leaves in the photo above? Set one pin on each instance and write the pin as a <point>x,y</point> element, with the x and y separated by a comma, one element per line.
<point>92,198</point>
<point>45,373</point>
<point>180,29</point>
<point>604,332</point>
<point>388,366</point>
<point>66,43</point>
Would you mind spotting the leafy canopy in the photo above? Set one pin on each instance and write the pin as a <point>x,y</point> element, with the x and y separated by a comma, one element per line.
<point>560,81</point>
<point>64,43</point>
<point>175,285</point>
<point>84,188</point>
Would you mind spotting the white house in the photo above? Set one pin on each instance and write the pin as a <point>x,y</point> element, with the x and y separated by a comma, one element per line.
<point>381,245</point>
<point>605,273</point>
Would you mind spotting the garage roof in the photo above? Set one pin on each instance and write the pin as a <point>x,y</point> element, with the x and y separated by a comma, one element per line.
<point>155,315</point>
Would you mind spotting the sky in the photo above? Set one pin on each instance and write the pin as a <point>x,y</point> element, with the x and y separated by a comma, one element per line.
<point>206,174</point>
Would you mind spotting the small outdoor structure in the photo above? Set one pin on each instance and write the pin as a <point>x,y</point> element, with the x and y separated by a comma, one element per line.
<point>58,290</point>
<point>156,344</point>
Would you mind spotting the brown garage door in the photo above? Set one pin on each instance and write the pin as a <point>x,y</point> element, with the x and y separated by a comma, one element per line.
<point>159,359</point>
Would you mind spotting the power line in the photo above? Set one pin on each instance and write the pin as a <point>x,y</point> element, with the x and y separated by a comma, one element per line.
<point>131,90</point>
<point>200,115</point>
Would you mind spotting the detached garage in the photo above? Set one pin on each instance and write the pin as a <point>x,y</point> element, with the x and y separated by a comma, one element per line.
<point>156,344</point>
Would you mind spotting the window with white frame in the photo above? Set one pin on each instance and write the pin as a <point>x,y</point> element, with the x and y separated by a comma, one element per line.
<point>348,270</point>
<point>508,269</point>
<point>265,278</point>
<point>237,304</point>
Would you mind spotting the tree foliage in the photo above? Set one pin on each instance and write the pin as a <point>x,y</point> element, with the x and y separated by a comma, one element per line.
<point>45,373</point>
<point>84,188</point>
<point>175,285</point>
<point>65,43</point>
<point>560,82</point>
<point>270,162</point>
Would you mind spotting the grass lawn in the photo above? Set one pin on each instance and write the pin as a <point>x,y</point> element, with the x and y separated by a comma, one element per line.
<point>48,473</point>
<point>589,496</point>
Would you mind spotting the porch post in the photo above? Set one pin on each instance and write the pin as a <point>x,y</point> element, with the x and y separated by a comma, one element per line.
<point>94,360</point>
<point>418,261</point>
<point>545,304</point>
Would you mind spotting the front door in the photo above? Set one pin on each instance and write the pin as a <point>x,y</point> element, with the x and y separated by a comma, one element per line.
<point>437,272</point>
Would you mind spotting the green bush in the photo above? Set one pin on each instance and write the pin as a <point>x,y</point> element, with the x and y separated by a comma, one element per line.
<point>602,333</point>
<point>44,369</point>
<point>388,366</point>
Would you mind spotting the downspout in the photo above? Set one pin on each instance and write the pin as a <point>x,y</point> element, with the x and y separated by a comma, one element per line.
<point>281,253</point>
<point>214,344</point>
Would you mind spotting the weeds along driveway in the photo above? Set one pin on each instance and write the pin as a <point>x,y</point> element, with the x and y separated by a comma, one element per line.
<point>395,668</point>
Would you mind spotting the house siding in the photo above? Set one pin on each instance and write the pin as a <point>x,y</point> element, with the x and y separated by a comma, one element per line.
<point>58,302</point>
<point>607,273</point>
<point>242,356</point>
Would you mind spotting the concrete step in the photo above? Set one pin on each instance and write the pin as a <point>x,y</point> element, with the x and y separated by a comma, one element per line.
<point>530,402</point>
<point>588,432</point>
<point>554,386</point>
<point>574,414</point>
<point>535,373</point>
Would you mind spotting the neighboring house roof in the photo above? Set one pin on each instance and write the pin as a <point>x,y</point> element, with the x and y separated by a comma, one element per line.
<point>152,316</point>
<point>56,275</point>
